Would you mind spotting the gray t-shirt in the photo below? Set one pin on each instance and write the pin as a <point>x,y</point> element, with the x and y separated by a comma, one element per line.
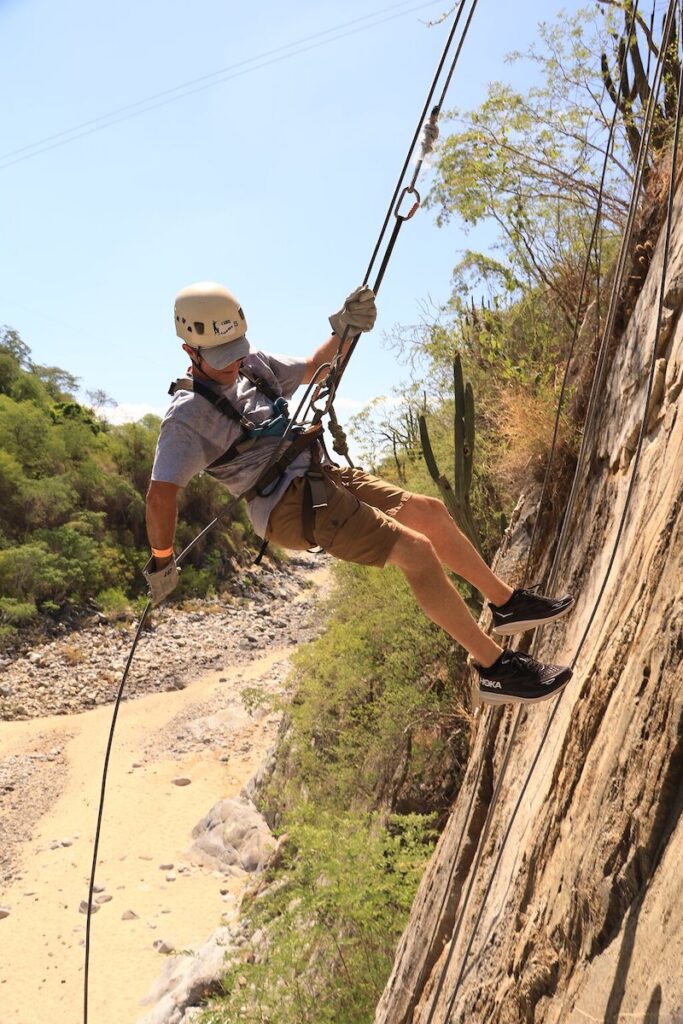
<point>194,433</point>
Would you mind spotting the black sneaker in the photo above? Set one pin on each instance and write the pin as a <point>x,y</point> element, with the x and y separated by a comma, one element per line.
<point>525,609</point>
<point>516,678</point>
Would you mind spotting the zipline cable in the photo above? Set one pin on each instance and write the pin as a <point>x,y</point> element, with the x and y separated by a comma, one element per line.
<point>636,461</point>
<point>312,386</point>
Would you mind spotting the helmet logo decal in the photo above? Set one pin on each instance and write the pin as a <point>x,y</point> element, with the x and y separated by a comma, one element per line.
<point>224,327</point>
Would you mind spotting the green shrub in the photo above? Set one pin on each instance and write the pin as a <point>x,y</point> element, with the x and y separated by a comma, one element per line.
<point>333,923</point>
<point>28,571</point>
<point>196,582</point>
<point>113,601</point>
<point>380,684</point>
<point>7,634</point>
<point>17,613</point>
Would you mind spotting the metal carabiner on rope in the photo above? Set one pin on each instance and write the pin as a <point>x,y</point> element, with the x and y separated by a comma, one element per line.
<point>409,190</point>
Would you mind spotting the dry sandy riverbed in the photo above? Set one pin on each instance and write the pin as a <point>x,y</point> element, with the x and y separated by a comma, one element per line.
<point>203,733</point>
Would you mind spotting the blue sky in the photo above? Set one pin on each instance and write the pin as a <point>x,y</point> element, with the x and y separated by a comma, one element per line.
<point>274,181</point>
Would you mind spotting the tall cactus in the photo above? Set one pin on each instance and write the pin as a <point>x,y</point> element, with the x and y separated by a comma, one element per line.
<point>457,498</point>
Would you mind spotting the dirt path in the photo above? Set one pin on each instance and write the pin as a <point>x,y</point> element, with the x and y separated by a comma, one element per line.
<point>202,733</point>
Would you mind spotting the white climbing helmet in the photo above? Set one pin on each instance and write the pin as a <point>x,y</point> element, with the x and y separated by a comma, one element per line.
<point>208,316</point>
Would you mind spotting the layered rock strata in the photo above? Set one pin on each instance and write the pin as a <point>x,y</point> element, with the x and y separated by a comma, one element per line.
<point>574,914</point>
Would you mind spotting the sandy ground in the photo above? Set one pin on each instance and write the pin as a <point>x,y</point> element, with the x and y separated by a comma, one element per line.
<point>148,822</point>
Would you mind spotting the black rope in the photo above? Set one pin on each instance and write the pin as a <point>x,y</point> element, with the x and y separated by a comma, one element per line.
<point>416,136</point>
<point>339,363</point>
<point>100,810</point>
<point>636,461</point>
<point>119,696</point>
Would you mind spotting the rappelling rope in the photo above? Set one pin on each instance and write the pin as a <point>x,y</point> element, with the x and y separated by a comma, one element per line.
<point>334,371</point>
<point>430,136</point>
<point>636,460</point>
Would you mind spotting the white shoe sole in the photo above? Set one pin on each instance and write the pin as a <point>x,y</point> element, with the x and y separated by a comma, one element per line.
<point>520,627</point>
<point>487,697</point>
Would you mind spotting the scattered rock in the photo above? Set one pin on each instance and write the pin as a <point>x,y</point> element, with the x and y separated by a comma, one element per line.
<point>180,639</point>
<point>83,907</point>
<point>130,915</point>
<point>181,781</point>
<point>104,897</point>
<point>4,912</point>
<point>162,946</point>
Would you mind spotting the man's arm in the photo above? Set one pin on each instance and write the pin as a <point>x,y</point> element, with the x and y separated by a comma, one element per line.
<point>161,512</point>
<point>325,354</point>
<point>356,315</point>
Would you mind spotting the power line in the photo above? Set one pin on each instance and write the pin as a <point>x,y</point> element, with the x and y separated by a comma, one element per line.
<point>214,78</point>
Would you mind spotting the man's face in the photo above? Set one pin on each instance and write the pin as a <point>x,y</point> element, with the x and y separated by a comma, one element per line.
<point>225,377</point>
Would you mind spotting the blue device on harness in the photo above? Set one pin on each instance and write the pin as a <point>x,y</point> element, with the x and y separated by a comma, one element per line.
<point>277,425</point>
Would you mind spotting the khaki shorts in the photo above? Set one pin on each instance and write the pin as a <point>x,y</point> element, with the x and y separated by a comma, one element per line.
<point>357,525</point>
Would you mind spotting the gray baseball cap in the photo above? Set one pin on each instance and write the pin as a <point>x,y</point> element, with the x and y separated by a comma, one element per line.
<point>220,356</point>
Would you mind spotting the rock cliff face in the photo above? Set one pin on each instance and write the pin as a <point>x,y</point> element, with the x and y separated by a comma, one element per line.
<point>578,889</point>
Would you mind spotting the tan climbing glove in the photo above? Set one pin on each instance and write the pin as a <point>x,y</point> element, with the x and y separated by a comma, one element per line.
<point>358,313</point>
<point>161,582</point>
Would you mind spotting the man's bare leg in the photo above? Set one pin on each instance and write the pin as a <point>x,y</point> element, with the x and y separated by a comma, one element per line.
<point>430,517</point>
<point>416,557</point>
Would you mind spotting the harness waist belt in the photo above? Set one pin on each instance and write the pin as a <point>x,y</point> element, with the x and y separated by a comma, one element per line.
<point>306,439</point>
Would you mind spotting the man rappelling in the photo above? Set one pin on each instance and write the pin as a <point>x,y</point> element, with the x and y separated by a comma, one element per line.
<point>229,416</point>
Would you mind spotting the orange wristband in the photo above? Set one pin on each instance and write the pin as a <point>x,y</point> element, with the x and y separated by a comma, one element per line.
<point>162,554</point>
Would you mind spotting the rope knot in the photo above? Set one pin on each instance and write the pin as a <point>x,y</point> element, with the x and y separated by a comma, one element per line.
<point>430,135</point>
<point>339,442</point>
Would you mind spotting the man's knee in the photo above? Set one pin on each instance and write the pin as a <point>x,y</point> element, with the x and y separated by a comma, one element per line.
<point>412,551</point>
<point>420,511</point>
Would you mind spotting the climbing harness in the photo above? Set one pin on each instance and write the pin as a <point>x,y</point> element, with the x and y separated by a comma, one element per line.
<point>276,426</point>
<point>305,427</point>
<point>589,418</point>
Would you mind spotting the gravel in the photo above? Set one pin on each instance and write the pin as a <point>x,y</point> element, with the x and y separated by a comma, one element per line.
<point>81,670</point>
<point>76,672</point>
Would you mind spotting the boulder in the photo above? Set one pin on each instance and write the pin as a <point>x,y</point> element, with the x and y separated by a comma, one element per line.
<point>186,980</point>
<point>233,833</point>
